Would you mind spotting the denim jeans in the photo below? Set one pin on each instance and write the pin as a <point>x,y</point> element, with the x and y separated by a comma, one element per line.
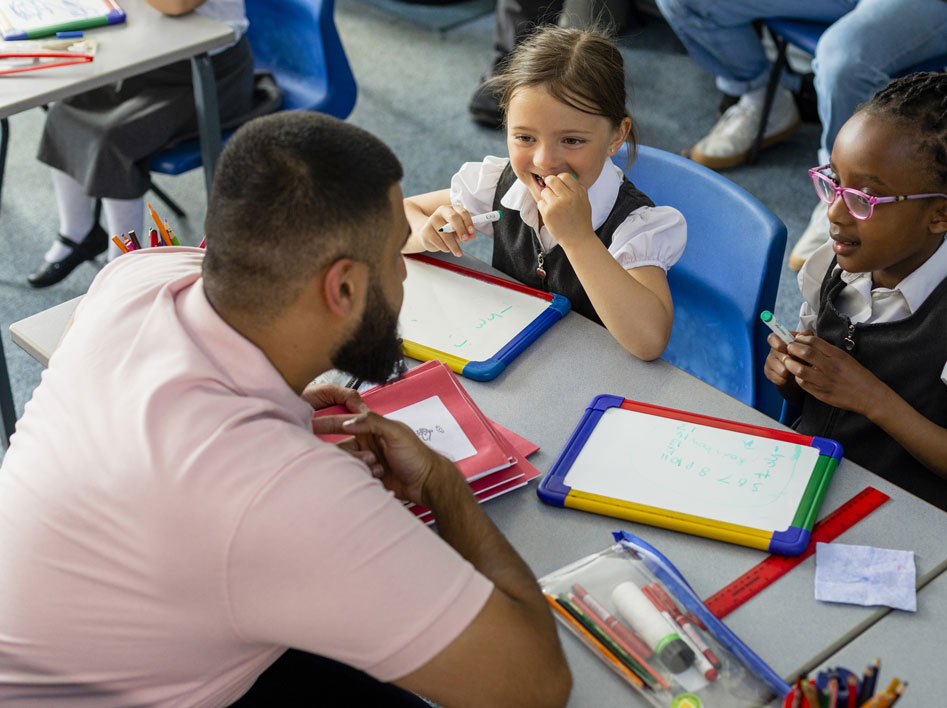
<point>868,42</point>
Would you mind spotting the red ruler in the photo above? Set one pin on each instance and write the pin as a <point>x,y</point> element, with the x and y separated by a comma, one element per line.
<point>767,571</point>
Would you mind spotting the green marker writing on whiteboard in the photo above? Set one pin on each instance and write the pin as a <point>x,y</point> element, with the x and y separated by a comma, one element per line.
<point>770,321</point>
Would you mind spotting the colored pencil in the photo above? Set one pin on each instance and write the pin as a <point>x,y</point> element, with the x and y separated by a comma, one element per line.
<point>852,691</point>
<point>121,245</point>
<point>568,603</point>
<point>174,239</point>
<point>596,617</point>
<point>626,673</point>
<point>161,229</point>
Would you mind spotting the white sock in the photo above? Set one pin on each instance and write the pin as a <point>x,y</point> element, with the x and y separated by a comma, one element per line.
<point>75,214</point>
<point>122,216</point>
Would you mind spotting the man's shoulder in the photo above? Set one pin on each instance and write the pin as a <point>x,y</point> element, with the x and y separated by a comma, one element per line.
<point>148,268</point>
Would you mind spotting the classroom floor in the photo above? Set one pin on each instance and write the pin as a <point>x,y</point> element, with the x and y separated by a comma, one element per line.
<point>416,67</point>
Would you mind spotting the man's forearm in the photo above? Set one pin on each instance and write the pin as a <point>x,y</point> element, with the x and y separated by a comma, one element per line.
<point>462,523</point>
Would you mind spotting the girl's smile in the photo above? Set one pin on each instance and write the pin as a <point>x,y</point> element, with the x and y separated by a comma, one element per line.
<point>876,155</point>
<point>548,137</point>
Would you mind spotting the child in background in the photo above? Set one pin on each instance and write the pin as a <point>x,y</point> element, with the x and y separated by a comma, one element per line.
<point>572,223</point>
<point>869,368</point>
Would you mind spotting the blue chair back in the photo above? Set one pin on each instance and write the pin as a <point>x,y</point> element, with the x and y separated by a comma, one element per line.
<point>728,274</point>
<point>805,35</point>
<point>297,42</point>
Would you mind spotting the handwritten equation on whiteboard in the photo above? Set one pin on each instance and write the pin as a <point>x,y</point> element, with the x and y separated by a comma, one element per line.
<point>460,315</point>
<point>38,13</point>
<point>695,469</point>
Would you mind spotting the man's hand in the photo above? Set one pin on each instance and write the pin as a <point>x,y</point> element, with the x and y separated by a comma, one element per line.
<point>323,395</point>
<point>833,375</point>
<point>565,208</point>
<point>403,463</point>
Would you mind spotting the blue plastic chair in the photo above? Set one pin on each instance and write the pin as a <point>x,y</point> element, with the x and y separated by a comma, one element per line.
<point>297,42</point>
<point>728,274</point>
<point>805,35</point>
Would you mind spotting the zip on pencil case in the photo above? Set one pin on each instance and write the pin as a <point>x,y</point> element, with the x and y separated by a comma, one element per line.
<point>666,671</point>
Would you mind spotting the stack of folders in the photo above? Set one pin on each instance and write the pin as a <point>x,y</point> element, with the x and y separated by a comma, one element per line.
<point>431,401</point>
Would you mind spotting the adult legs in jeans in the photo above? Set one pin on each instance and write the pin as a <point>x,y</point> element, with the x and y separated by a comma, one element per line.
<point>721,39</point>
<point>514,19</point>
<point>301,680</point>
<point>857,56</point>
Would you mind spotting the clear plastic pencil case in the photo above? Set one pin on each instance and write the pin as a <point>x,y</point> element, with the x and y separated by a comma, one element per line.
<point>631,607</point>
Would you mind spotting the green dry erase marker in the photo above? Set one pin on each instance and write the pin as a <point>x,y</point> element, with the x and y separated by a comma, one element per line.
<point>770,321</point>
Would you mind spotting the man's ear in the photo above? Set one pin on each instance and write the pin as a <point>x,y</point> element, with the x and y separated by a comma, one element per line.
<point>344,285</point>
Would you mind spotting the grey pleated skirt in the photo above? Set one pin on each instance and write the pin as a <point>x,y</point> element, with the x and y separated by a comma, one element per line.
<point>106,138</point>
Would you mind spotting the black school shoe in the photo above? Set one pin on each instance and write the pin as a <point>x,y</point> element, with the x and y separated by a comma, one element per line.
<point>95,242</point>
<point>485,108</point>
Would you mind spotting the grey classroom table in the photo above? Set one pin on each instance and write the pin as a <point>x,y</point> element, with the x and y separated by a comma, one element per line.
<point>542,395</point>
<point>911,647</point>
<point>147,40</point>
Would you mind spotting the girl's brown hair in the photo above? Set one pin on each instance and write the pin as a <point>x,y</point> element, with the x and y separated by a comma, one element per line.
<point>581,68</point>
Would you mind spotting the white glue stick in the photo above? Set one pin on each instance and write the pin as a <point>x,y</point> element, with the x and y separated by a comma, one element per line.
<point>638,611</point>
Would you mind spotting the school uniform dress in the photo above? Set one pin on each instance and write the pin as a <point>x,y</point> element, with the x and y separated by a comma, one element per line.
<point>105,138</point>
<point>171,525</point>
<point>900,335</point>
<point>635,232</point>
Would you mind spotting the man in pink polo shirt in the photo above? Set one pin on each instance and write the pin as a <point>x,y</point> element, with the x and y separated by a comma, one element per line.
<point>171,531</point>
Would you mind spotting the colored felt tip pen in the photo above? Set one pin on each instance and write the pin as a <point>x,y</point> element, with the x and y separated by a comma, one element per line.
<point>770,321</point>
<point>478,220</point>
<point>684,623</point>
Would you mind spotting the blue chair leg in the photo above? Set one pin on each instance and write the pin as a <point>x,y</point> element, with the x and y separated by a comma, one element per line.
<point>7,411</point>
<point>781,47</point>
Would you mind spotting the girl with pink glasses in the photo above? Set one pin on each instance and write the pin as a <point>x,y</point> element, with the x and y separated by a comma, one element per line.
<point>868,366</point>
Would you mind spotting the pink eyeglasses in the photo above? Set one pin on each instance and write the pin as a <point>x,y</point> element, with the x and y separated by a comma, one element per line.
<point>859,204</point>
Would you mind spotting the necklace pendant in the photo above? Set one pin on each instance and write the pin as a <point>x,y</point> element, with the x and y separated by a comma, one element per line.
<point>540,260</point>
<point>849,340</point>
<point>541,273</point>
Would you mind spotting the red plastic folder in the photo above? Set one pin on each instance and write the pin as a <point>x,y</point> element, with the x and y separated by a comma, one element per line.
<point>433,390</point>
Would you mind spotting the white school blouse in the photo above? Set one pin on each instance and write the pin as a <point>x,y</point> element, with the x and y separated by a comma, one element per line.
<point>649,236</point>
<point>860,302</point>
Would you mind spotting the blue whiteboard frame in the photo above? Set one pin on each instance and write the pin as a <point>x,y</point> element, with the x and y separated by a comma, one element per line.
<point>488,369</point>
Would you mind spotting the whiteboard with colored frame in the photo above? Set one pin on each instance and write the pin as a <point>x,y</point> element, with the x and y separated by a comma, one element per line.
<point>745,484</point>
<point>33,19</point>
<point>474,322</point>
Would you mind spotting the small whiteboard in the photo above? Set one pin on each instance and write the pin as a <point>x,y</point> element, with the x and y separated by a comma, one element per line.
<point>33,19</point>
<point>745,484</point>
<point>474,322</point>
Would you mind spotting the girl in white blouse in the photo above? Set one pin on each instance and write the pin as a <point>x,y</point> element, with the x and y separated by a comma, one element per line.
<point>571,222</point>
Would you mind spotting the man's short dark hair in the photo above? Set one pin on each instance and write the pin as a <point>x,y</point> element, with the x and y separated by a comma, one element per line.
<point>293,192</point>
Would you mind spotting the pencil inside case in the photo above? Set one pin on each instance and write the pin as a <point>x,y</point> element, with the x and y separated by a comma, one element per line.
<point>638,615</point>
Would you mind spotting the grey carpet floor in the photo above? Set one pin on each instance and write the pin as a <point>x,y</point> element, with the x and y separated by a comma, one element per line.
<point>414,80</point>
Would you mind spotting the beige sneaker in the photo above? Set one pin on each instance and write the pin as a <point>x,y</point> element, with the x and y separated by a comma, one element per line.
<point>728,144</point>
<point>816,233</point>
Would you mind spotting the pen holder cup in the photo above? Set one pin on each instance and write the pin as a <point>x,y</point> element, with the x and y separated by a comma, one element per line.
<point>635,611</point>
